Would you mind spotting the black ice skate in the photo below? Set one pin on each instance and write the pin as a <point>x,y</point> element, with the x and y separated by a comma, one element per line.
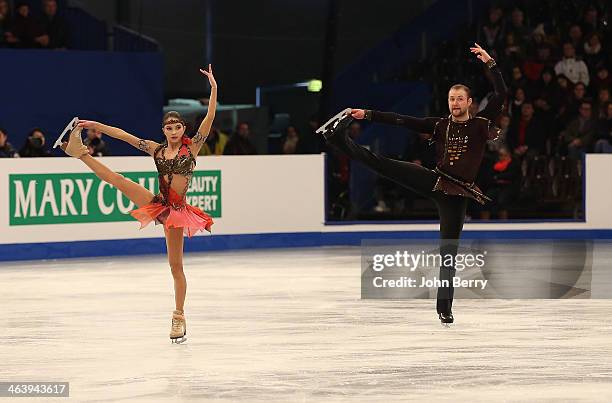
<point>446,318</point>
<point>336,124</point>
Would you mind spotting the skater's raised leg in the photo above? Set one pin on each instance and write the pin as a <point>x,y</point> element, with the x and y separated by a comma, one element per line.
<point>413,176</point>
<point>133,191</point>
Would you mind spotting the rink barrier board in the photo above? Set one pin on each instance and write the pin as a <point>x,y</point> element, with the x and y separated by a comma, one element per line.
<point>128,247</point>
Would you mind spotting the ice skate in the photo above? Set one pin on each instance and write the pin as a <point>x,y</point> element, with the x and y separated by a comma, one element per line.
<point>75,147</point>
<point>178,331</point>
<point>68,129</point>
<point>446,319</point>
<point>336,124</point>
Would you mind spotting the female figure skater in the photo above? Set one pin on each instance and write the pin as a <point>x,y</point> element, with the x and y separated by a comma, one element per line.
<point>460,141</point>
<point>175,161</point>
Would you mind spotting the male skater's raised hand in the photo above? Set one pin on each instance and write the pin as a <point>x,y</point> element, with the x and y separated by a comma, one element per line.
<point>480,53</point>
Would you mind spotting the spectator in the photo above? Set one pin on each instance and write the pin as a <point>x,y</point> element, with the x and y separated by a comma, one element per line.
<point>517,80</point>
<point>534,66</point>
<point>577,138</point>
<point>516,102</point>
<point>291,142</point>
<point>491,33</point>
<point>603,99</point>
<point>513,50</point>
<point>96,146</point>
<point>25,30</point>
<point>6,149</point>
<point>215,143</point>
<point>518,28</point>
<point>546,92</point>
<point>502,138</point>
<point>34,145</point>
<point>575,38</point>
<point>574,70</point>
<point>526,134</point>
<point>593,54</point>
<point>590,21</point>
<point>5,21</point>
<point>239,143</point>
<point>602,79</point>
<point>604,132</point>
<point>578,95</point>
<point>506,179</point>
<point>55,27</point>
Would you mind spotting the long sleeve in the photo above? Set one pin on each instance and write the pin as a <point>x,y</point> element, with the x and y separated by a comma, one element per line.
<point>421,125</point>
<point>496,103</point>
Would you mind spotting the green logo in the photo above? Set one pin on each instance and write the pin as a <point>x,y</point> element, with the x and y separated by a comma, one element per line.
<point>36,199</point>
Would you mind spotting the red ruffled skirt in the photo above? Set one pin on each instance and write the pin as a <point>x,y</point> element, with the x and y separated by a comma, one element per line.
<point>176,214</point>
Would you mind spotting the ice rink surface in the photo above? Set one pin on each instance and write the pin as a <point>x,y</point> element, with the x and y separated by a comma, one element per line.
<point>287,325</point>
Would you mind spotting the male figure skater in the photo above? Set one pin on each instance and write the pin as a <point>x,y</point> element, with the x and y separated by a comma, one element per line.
<point>460,144</point>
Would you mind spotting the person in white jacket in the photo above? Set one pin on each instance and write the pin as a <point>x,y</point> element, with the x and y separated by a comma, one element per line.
<point>575,70</point>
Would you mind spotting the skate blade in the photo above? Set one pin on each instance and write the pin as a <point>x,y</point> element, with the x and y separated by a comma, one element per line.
<point>179,340</point>
<point>69,127</point>
<point>333,120</point>
<point>446,325</point>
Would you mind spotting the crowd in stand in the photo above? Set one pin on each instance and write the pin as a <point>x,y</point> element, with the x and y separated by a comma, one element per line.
<point>23,28</point>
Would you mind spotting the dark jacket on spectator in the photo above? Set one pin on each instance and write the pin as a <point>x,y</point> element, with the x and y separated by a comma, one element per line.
<point>238,145</point>
<point>7,151</point>
<point>32,148</point>
<point>534,135</point>
<point>57,29</point>
<point>26,29</point>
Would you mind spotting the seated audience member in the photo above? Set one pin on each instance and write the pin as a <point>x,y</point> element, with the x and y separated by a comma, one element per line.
<point>292,142</point>
<point>240,143</point>
<point>25,30</point>
<point>604,132</point>
<point>5,21</point>
<point>6,149</point>
<point>577,138</point>
<point>34,145</point>
<point>526,134</point>
<point>96,146</point>
<point>506,179</point>
<point>215,143</point>
<point>54,25</point>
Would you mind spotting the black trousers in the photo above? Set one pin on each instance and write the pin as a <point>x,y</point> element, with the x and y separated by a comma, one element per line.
<point>451,209</point>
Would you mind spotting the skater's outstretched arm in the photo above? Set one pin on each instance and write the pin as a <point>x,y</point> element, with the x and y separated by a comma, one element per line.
<point>200,137</point>
<point>148,146</point>
<point>496,103</point>
<point>421,125</point>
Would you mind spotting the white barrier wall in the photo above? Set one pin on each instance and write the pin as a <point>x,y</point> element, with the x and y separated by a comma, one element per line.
<point>55,199</point>
<point>43,199</point>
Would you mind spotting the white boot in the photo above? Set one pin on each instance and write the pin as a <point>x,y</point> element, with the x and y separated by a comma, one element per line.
<point>75,147</point>
<point>178,331</point>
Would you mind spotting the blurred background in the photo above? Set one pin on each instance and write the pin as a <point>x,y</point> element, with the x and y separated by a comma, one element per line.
<point>283,68</point>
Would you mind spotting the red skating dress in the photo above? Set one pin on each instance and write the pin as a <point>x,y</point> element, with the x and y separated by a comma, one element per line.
<point>169,207</point>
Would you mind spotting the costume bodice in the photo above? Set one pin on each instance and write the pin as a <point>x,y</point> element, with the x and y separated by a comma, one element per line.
<point>180,168</point>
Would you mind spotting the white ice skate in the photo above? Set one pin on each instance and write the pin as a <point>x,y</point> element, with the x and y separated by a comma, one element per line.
<point>69,127</point>
<point>178,331</point>
<point>341,120</point>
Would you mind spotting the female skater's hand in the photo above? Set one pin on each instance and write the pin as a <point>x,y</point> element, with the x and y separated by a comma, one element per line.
<point>209,74</point>
<point>358,113</point>
<point>89,124</point>
<point>480,53</point>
